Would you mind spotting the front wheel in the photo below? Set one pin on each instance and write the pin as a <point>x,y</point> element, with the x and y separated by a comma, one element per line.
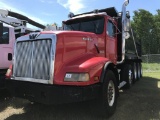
<point>109,94</point>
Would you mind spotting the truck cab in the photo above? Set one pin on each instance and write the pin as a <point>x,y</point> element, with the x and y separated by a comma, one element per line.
<point>7,40</point>
<point>104,29</point>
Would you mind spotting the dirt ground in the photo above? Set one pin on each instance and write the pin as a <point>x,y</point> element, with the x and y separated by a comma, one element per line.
<point>141,102</point>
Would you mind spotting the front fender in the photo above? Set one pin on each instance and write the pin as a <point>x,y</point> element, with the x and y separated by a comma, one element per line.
<point>109,66</point>
<point>85,64</point>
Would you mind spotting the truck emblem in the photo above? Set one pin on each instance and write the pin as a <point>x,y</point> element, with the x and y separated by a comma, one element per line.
<point>89,39</point>
<point>34,35</point>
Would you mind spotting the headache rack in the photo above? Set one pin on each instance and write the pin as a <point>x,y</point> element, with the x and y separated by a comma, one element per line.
<point>110,11</point>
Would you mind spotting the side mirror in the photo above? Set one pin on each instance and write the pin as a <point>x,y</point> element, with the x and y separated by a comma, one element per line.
<point>1,30</point>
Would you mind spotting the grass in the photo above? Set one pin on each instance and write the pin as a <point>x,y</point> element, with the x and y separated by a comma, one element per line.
<point>152,74</point>
<point>151,67</point>
<point>151,70</point>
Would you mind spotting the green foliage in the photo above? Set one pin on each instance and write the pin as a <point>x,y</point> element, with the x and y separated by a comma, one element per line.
<point>152,74</point>
<point>151,67</point>
<point>147,30</point>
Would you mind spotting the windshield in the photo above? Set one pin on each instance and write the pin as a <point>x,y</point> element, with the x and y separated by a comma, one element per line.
<point>5,38</point>
<point>88,24</point>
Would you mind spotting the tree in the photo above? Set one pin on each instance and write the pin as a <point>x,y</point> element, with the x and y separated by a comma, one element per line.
<point>147,29</point>
<point>156,31</point>
<point>143,26</point>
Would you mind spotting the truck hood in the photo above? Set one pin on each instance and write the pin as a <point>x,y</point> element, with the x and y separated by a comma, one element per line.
<point>67,32</point>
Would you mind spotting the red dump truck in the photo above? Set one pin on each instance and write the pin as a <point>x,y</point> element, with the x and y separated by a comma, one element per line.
<point>88,60</point>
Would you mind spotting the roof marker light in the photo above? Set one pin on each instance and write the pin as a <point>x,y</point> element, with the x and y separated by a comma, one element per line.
<point>70,15</point>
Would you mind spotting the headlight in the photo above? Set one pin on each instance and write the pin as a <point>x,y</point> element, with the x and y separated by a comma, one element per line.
<point>77,77</point>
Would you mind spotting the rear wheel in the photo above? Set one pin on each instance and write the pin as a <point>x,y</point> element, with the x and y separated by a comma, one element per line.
<point>127,75</point>
<point>134,72</point>
<point>141,70</point>
<point>138,71</point>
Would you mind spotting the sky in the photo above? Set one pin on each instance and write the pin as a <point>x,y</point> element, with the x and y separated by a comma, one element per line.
<point>55,11</point>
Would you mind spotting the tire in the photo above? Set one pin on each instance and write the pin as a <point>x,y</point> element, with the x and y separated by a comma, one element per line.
<point>138,71</point>
<point>134,72</point>
<point>127,75</point>
<point>107,101</point>
<point>141,70</point>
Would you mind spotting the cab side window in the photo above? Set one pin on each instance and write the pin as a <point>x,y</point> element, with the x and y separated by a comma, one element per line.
<point>110,29</point>
<point>5,38</point>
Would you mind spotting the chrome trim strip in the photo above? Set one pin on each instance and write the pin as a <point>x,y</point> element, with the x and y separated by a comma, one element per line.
<point>32,59</point>
<point>53,54</point>
<point>14,58</point>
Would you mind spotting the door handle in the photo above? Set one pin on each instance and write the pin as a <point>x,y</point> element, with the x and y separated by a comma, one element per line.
<point>9,56</point>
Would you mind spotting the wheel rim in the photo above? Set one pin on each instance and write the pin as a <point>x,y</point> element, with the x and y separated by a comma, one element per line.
<point>111,93</point>
<point>130,77</point>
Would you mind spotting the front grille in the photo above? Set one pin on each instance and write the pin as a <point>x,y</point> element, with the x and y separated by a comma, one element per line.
<point>33,59</point>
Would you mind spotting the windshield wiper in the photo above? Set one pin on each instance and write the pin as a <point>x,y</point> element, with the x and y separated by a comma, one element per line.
<point>96,48</point>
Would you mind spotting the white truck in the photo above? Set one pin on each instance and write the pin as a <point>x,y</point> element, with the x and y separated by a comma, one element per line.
<point>12,26</point>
